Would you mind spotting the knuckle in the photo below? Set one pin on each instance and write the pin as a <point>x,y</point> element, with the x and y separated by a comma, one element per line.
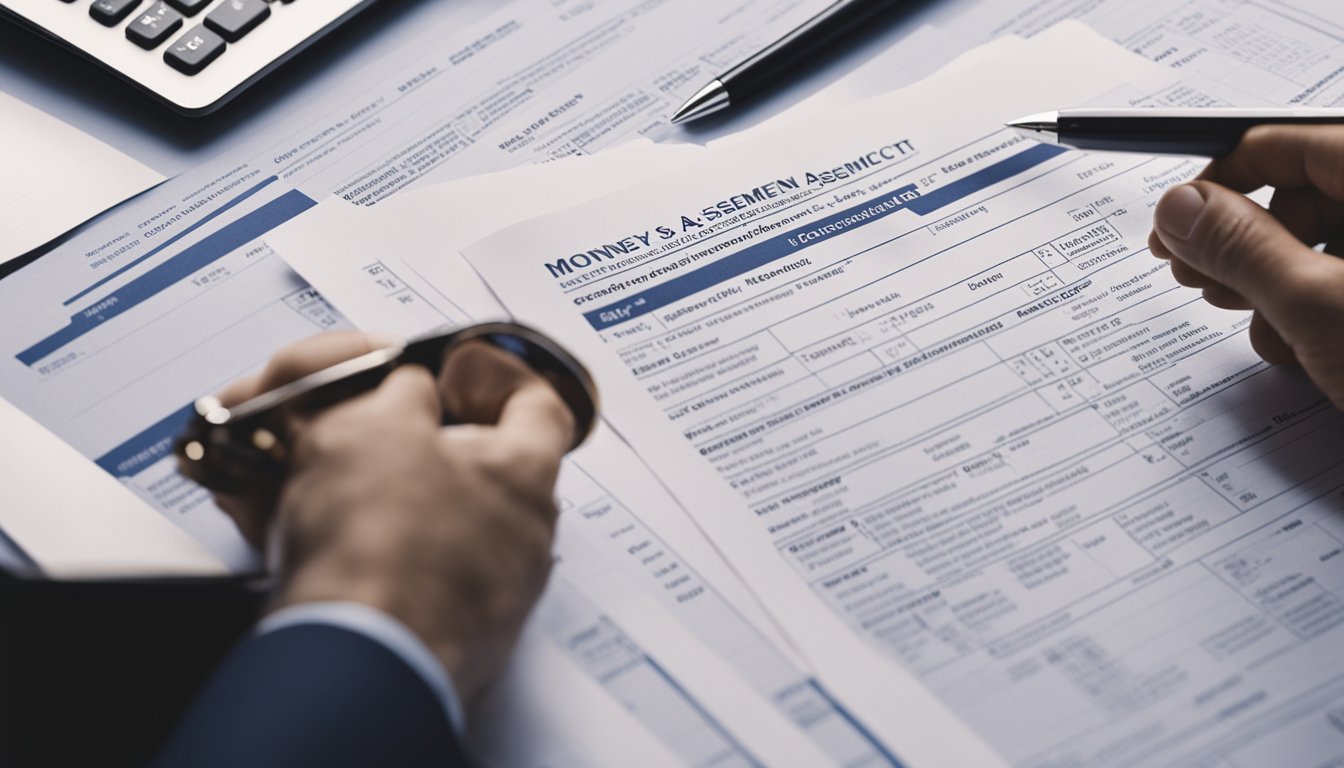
<point>469,441</point>
<point>524,494</point>
<point>523,469</point>
<point>496,462</point>
<point>536,461</point>
<point>1256,140</point>
<point>553,407</point>
<point>298,357</point>
<point>327,436</point>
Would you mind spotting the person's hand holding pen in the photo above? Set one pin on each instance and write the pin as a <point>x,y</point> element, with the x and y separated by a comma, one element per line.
<point>1246,257</point>
<point>446,529</point>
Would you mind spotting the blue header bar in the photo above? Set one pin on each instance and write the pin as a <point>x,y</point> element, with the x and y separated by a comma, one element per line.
<point>793,241</point>
<point>123,269</point>
<point>147,447</point>
<point>170,272</point>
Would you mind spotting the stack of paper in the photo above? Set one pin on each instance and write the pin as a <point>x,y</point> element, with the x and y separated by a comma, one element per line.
<point>912,454</point>
<point>1013,493</point>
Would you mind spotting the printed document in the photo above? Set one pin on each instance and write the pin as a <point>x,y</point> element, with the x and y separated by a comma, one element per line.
<point>107,340</point>
<point>1009,488</point>
<point>179,292</point>
<point>397,267</point>
<point>630,565</point>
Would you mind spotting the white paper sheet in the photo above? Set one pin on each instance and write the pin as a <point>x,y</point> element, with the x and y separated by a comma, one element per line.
<point>928,51</point>
<point>1274,51</point>
<point>966,439</point>
<point>398,268</point>
<point>108,339</point>
<point>388,269</point>
<point>56,177</point>
<point>578,724</point>
<point>76,521</point>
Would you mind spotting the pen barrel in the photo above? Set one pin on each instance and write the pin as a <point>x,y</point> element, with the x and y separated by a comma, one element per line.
<point>814,36</point>
<point>1157,135</point>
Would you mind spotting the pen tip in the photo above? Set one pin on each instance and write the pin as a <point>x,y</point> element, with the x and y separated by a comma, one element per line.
<point>1043,127</point>
<point>711,98</point>
<point>1039,122</point>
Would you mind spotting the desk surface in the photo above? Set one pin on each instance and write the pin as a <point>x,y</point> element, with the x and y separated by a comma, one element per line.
<point>97,108</point>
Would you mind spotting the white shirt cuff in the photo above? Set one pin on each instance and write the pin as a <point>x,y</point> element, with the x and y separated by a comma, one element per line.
<point>383,629</point>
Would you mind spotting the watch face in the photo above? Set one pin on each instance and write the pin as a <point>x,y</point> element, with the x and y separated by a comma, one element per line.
<point>228,449</point>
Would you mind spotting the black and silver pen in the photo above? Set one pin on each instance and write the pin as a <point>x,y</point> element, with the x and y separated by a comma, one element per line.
<point>1211,132</point>
<point>764,68</point>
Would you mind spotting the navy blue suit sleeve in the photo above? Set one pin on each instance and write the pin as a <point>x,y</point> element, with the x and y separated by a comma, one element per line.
<point>314,695</point>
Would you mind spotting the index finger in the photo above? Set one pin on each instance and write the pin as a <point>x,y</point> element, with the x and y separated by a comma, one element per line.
<point>301,358</point>
<point>1284,156</point>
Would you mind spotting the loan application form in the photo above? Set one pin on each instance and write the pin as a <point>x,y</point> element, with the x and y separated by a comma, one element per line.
<point>639,602</point>
<point>1008,486</point>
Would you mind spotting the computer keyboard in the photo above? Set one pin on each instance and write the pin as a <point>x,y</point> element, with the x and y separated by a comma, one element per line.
<point>194,55</point>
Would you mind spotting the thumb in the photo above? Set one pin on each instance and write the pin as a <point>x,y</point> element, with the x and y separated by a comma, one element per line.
<point>1229,238</point>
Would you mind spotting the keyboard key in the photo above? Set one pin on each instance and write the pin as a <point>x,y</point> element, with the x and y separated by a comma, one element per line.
<point>152,27</point>
<point>194,51</point>
<point>110,13</point>
<point>235,18</point>
<point>189,7</point>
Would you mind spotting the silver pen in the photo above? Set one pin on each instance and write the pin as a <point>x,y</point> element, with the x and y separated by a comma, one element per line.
<point>770,65</point>
<point>1210,132</point>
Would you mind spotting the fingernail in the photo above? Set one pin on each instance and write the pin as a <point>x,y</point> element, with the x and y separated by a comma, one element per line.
<point>1179,209</point>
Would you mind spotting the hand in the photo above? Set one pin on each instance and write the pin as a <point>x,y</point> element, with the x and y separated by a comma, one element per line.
<point>448,530</point>
<point>1245,257</point>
